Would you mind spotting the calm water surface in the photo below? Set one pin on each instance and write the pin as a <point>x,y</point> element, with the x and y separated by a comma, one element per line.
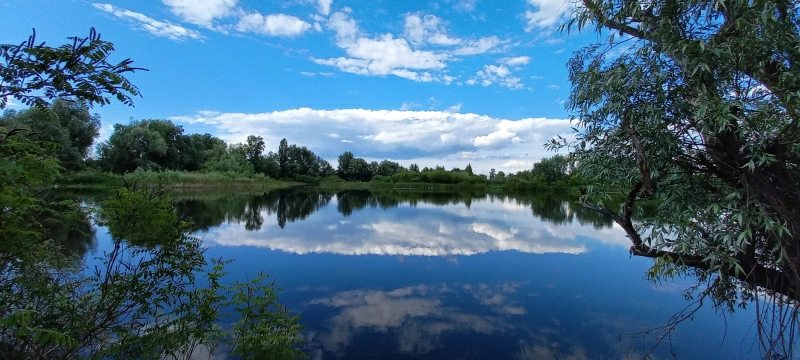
<point>456,276</point>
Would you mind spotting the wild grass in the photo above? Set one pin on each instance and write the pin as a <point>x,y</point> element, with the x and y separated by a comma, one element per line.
<point>168,178</point>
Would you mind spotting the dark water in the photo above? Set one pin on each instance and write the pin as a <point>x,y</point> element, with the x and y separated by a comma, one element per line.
<point>456,276</point>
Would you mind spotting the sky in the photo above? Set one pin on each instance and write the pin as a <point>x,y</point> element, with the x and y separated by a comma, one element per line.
<point>446,82</point>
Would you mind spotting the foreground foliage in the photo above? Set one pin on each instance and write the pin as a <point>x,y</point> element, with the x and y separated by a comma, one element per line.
<point>34,72</point>
<point>697,108</point>
<point>142,298</point>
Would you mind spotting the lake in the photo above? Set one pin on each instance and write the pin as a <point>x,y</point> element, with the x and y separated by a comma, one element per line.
<point>455,276</point>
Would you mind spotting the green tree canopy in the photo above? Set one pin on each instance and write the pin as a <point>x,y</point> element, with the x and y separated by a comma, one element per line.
<point>147,144</point>
<point>67,125</point>
<point>697,110</point>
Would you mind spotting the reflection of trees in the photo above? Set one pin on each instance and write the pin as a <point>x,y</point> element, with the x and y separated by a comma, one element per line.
<point>558,208</point>
<point>291,205</point>
<point>68,224</point>
<point>75,233</point>
<point>287,205</point>
<point>351,200</point>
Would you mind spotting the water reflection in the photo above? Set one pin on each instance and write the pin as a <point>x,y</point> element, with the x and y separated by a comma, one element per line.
<point>284,205</point>
<point>416,316</point>
<point>69,224</point>
<point>290,205</point>
<point>419,224</point>
<point>453,275</point>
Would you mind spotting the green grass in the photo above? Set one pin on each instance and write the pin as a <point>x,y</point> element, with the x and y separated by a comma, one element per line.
<point>174,179</point>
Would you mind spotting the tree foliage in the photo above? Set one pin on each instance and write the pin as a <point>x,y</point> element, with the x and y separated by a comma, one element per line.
<point>697,109</point>
<point>35,73</point>
<point>65,125</point>
<point>157,144</point>
<point>145,299</point>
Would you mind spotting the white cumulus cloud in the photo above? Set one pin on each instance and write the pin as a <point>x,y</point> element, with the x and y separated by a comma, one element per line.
<point>156,27</point>
<point>428,138</point>
<point>385,55</point>
<point>546,14</point>
<point>422,53</point>
<point>516,60</point>
<point>422,29</point>
<point>272,24</point>
<point>201,12</point>
<point>496,74</point>
<point>324,6</point>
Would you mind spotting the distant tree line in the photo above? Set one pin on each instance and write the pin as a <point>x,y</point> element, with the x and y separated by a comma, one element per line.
<point>554,171</point>
<point>159,145</point>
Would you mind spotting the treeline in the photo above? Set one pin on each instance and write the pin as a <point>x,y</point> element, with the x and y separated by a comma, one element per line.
<point>553,172</point>
<point>159,145</point>
<point>155,148</point>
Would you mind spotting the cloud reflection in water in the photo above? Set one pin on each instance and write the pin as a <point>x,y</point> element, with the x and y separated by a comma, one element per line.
<point>417,316</point>
<point>426,230</point>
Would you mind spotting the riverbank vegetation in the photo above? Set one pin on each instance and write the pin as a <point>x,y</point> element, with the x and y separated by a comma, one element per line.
<point>154,294</point>
<point>157,152</point>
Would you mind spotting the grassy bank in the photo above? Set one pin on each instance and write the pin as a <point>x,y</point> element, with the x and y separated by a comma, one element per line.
<point>169,179</point>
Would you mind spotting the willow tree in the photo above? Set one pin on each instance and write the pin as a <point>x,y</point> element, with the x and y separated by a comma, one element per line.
<point>694,106</point>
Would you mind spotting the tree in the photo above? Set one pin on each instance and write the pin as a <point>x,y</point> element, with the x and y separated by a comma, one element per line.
<point>550,169</point>
<point>373,167</point>
<point>700,115</point>
<point>81,129</point>
<point>359,170</point>
<point>132,147</point>
<point>35,73</point>
<point>468,169</point>
<point>254,147</point>
<point>343,168</point>
<point>232,159</point>
<point>253,150</point>
<point>388,168</point>
<point>65,125</point>
<point>283,156</point>
<point>200,148</point>
<point>151,144</point>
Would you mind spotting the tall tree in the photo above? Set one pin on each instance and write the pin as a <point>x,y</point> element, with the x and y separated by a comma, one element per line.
<point>343,168</point>
<point>200,148</point>
<point>700,114</point>
<point>254,152</point>
<point>283,156</point>
<point>148,144</point>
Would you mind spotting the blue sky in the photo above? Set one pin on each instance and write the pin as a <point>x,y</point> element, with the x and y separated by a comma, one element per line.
<point>445,82</point>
